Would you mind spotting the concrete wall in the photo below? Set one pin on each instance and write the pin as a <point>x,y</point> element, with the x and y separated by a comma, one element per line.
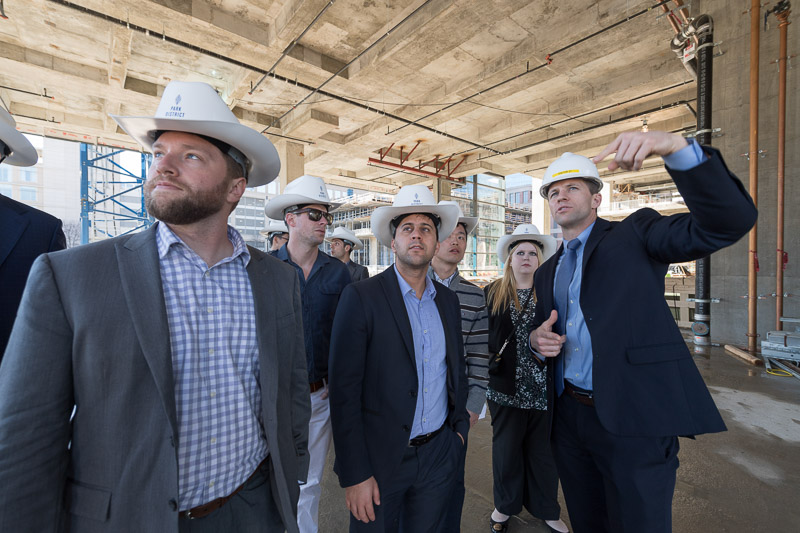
<point>731,113</point>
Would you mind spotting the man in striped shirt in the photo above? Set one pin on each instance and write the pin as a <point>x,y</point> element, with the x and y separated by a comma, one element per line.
<point>475,329</point>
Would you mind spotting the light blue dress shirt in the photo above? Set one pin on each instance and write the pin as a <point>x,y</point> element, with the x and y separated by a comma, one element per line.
<point>430,353</point>
<point>577,349</point>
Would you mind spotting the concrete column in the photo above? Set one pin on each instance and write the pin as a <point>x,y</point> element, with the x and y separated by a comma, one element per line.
<point>292,162</point>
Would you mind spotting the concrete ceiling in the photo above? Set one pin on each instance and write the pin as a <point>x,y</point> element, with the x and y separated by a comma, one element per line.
<point>468,81</point>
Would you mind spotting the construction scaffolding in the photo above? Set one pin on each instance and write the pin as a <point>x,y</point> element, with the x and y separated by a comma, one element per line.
<point>112,199</point>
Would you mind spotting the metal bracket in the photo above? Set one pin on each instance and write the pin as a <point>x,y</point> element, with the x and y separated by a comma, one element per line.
<point>761,153</point>
<point>759,297</point>
<point>715,132</point>
<point>673,10</point>
<point>704,300</point>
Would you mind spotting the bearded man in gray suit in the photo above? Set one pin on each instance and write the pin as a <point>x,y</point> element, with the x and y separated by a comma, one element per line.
<point>140,389</point>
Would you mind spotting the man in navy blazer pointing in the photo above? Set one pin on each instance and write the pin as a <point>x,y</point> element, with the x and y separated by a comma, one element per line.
<point>624,385</point>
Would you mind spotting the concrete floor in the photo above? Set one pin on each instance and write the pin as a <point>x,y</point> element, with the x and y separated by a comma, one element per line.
<point>746,479</point>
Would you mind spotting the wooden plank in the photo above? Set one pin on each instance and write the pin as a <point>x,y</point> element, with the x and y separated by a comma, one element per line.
<point>744,355</point>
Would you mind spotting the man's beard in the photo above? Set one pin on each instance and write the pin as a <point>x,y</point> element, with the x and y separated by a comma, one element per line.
<point>416,262</point>
<point>193,207</point>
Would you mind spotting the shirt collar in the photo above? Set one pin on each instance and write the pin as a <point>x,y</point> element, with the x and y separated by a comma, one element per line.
<point>584,235</point>
<point>283,255</point>
<point>430,290</point>
<point>446,282</point>
<point>166,239</point>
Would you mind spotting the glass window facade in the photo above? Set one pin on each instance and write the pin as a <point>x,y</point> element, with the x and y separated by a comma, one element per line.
<point>482,195</point>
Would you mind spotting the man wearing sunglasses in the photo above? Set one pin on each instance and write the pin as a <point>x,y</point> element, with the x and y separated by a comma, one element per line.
<point>305,207</point>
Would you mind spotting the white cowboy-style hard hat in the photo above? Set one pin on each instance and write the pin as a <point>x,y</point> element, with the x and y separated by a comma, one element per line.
<point>194,107</point>
<point>469,222</point>
<point>409,200</point>
<point>23,154</point>
<point>274,226</point>
<point>302,191</point>
<point>567,167</point>
<point>347,236</point>
<point>526,232</point>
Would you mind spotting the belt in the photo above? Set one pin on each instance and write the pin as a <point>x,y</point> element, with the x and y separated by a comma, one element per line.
<point>207,508</point>
<point>419,440</point>
<point>583,397</point>
<point>317,385</point>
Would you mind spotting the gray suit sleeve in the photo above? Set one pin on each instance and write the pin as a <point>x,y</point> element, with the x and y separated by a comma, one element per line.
<point>477,348</point>
<point>36,400</point>
<point>301,398</point>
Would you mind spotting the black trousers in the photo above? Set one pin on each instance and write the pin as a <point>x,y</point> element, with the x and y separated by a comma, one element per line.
<point>610,482</point>
<point>415,498</point>
<point>523,468</point>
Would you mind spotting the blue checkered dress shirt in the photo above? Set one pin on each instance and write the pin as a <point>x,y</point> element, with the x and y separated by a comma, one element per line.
<point>212,333</point>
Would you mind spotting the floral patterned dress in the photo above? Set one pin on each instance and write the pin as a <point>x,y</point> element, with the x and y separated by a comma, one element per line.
<point>530,379</point>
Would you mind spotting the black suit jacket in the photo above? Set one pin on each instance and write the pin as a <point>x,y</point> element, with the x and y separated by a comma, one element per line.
<point>373,376</point>
<point>357,272</point>
<point>25,233</point>
<point>644,379</point>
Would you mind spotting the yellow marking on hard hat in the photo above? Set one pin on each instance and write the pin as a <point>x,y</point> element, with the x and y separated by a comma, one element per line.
<point>566,172</point>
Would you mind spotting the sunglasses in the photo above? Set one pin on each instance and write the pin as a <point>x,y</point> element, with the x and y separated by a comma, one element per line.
<point>315,214</point>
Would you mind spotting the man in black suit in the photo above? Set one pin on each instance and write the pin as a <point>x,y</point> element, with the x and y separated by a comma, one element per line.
<point>343,242</point>
<point>25,232</point>
<point>624,385</point>
<point>398,383</point>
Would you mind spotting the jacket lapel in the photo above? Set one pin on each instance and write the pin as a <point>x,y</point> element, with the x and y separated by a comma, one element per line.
<point>398,308</point>
<point>262,284</point>
<point>600,230</point>
<point>141,283</point>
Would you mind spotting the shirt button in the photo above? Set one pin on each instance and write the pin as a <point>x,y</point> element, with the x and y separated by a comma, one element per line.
<point>213,440</point>
<point>211,484</point>
<point>576,349</point>
<point>211,351</point>
<point>570,324</point>
<point>424,331</point>
<point>426,390</point>
<point>210,310</point>
<point>424,419</point>
<point>207,273</point>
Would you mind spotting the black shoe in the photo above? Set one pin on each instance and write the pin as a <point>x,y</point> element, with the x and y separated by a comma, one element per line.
<point>498,526</point>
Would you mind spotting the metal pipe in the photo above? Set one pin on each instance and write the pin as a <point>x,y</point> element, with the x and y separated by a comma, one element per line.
<point>291,47</point>
<point>752,258</point>
<point>783,17</point>
<point>166,38</point>
<point>701,327</point>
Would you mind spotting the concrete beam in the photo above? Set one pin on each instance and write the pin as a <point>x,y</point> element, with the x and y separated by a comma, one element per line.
<point>214,15</point>
<point>309,123</point>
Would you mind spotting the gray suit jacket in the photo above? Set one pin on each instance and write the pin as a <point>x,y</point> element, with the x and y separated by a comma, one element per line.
<point>92,334</point>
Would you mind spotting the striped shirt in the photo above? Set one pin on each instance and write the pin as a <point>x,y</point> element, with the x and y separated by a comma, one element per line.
<point>475,329</point>
<point>212,334</point>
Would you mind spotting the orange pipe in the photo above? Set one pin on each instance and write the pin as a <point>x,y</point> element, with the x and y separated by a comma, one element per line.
<point>752,282</point>
<point>782,56</point>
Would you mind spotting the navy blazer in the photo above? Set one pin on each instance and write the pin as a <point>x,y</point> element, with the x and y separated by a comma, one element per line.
<point>373,376</point>
<point>644,379</point>
<point>25,233</point>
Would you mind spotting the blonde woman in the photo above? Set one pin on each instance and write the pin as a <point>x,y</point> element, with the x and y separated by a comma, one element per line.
<point>522,464</point>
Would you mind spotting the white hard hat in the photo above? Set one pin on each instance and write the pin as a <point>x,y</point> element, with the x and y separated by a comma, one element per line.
<point>567,167</point>
<point>274,226</point>
<point>21,151</point>
<point>346,235</point>
<point>195,107</point>
<point>409,200</point>
<point>526,232</point>
<point>302,191</point>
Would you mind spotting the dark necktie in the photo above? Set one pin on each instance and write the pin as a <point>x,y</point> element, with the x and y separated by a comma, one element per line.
<point>563,278</point>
